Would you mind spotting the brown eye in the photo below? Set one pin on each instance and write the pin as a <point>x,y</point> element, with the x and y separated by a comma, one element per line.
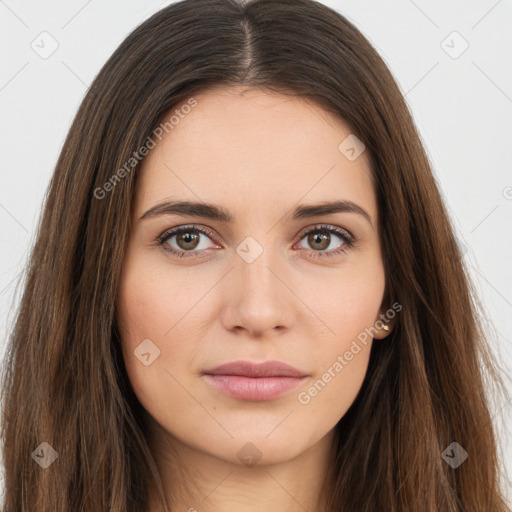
<point>319,241</point>
<point>187,240</point>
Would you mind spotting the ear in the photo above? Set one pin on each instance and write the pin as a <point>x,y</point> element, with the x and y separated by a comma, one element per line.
<point>384,323</point>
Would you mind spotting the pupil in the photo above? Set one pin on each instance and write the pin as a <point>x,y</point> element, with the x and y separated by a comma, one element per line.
<point>188,238</point>
<point>321,238</point>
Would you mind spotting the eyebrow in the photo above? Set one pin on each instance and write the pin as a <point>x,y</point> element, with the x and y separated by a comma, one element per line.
<point>218,213</point>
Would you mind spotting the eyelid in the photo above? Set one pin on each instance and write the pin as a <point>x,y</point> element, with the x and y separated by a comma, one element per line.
<point>206,230</point>
<point>326,227</point>
<point>168,233</point>
<point>342,233</point>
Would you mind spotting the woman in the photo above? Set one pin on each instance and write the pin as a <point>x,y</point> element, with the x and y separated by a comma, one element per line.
<point>246,292</point>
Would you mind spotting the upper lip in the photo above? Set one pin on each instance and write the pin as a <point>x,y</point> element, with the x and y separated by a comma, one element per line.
<point>248,369</point>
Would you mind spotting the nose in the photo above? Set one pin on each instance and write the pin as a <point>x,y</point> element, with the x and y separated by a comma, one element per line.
<point>258,300</point>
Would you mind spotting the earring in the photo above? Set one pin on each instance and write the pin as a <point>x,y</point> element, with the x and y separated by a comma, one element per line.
<point>386,327</point>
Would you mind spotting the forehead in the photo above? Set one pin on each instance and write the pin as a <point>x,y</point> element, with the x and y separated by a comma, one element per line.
<point>240,146</point>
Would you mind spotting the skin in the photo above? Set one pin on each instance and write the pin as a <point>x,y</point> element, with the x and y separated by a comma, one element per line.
<point>258,155</point>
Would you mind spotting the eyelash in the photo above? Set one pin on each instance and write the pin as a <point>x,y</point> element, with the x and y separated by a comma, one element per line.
<point>347,238</point>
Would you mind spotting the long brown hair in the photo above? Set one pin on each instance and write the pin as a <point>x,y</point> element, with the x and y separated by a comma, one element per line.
<point>428,385</point>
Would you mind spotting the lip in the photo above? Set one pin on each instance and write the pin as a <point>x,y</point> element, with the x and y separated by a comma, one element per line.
<point>254,382</point>
<point>265,369</point>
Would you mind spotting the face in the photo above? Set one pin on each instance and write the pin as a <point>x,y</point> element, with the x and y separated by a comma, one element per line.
<point>270,280</point>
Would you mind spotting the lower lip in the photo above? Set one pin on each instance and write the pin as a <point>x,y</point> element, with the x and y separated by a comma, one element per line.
<point>253,388</point>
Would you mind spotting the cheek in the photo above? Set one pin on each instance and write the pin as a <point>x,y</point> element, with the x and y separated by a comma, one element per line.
<point>141,312</point>
<point>166,309</point>
<point>348,303</point>
<point>349,306</point>
<point>341,360</point>
<point>144,315</point>
<point>147,310</point>
<point>154,303</point>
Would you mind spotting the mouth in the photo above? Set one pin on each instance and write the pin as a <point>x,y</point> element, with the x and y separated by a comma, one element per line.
<point>254,382</point>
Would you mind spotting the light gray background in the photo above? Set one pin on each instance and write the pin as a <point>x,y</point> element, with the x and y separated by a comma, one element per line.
<point>462,105</point>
